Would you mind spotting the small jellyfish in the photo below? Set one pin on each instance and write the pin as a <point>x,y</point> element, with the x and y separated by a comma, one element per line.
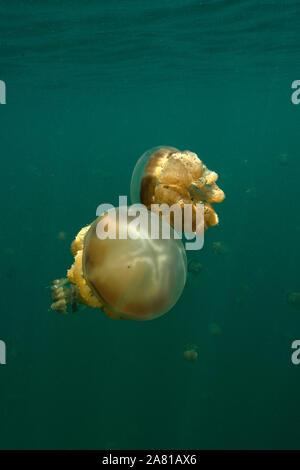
<point>165,175</point>
<point>293,298</point>
<point>220,248</point>
<point>194,267</point>
<point>138,278</point>
<point>61,235</point>
<point>215,329</point>
<point>191,354</point>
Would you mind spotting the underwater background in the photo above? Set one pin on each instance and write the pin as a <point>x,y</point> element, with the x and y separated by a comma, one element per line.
<point>90,86</point>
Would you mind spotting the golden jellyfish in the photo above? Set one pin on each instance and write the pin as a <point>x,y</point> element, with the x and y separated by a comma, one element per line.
<point>166,175</point>
<point>195,267</point>
<point>190,353</point>
<point>134,277</point>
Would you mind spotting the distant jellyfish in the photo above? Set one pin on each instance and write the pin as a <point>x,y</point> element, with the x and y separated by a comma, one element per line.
<point>138,279</point>
<point>293,299</point>
<point>220,248</point>
<point>190,353</point>
<point>215,329</point>
<point>194,267</point>
<point>61,235</point>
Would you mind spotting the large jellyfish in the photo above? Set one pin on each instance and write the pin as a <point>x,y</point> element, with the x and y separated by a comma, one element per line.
<point>138,278</point>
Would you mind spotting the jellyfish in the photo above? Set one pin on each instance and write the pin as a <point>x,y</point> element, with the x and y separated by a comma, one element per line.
<point>61,235</point>
<point>194,267</point>
<point>215,329</point>
<point>165,175</point>
<point>293,298</point>
<point>220,248</point>
<point>138,277</point>
<point>191,353</point>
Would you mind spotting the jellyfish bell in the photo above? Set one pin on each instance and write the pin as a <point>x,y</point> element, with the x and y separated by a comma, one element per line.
<point>138,278</point>
<point>165,175</point>
<point>144,173</point>
<point>134,277</point>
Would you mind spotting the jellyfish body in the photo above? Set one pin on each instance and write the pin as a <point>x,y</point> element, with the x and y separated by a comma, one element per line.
<point>136,277</point>
<point>165,175</point>
<point>191,354</point>
<point>220,248</point>
<point>194,267</point>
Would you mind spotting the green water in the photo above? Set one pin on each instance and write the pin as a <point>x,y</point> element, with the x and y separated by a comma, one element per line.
<point>90,86</point>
